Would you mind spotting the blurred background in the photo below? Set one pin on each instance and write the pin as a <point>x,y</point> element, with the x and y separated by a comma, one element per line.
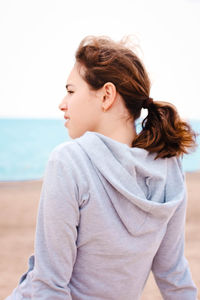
<point>38,43</point>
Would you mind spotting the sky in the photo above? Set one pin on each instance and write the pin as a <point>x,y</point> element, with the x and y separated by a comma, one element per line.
<point>39,39</point>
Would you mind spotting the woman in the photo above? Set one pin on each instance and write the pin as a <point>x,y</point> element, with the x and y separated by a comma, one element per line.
<point>113,201</point>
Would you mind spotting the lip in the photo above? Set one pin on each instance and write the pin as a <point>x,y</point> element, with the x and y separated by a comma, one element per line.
<point>65,117</point>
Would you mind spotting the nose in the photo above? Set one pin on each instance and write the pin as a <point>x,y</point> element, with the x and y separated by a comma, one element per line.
<point>63,105</point>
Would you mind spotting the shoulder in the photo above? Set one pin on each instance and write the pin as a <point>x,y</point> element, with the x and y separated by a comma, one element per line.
<point>175,181</point>
<point>65,168</point>
<point>66,152</point>
<point>70,157</point>
<point>64,158</point>
<point>175,167</point>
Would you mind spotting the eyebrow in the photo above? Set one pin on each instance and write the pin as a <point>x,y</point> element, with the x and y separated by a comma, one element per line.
<point>67,85</point>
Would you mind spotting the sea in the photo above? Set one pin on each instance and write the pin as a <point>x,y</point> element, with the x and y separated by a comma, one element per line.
<point>25,146</point>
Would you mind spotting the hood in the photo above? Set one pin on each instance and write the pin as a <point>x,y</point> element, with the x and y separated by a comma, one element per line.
<point>156,186</point>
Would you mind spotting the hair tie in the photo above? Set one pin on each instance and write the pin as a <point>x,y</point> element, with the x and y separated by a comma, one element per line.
<point>147,103</point>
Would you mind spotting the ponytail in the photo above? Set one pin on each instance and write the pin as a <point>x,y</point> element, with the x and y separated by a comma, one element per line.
<point>164,132</point>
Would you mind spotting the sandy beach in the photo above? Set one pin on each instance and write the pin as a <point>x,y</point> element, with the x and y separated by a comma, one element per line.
<point>18,211</point>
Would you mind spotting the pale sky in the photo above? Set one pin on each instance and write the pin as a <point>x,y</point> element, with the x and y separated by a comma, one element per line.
<point>39,39</point>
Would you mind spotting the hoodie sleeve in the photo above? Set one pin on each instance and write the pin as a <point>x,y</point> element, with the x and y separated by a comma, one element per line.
<point>56,233</point>
<point>170,267</point>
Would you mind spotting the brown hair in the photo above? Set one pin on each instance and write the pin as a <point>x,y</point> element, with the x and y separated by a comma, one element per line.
<point>105,60</point>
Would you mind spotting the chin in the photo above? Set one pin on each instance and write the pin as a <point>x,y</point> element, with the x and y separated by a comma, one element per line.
<point>75,135</point>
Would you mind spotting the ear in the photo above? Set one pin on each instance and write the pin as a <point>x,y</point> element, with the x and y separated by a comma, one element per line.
<point>109,94</point>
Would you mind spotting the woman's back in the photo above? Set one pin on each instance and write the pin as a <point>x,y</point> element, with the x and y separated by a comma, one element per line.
<point>123,204</point>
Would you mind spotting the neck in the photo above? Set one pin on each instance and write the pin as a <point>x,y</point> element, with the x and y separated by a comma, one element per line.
<point>123,133</point>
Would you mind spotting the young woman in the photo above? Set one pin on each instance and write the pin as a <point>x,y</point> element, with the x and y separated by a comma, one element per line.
<point>113,201</point>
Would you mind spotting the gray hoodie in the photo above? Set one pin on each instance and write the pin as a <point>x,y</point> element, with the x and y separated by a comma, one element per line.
<point>108,215</point>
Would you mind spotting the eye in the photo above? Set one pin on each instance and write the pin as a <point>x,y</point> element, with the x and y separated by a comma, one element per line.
<point>70,92</point>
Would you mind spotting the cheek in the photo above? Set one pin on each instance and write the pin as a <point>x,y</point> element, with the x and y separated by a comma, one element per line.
<point>84,109</point>
<point>73,104</point>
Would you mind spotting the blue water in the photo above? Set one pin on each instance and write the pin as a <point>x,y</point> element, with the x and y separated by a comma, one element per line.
<point>25,145</point>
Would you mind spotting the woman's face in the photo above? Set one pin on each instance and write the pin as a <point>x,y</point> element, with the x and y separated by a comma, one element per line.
<point>81,105</point>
